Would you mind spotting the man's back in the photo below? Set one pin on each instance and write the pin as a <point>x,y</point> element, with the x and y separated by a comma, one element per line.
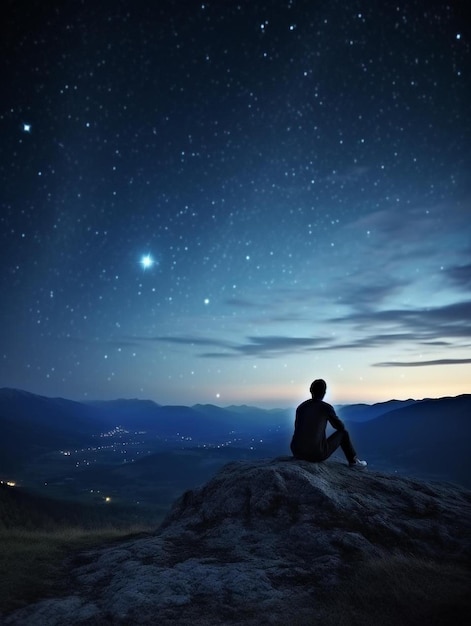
<point>308,440</point>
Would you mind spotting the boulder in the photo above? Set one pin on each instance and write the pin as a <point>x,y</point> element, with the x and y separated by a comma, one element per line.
<point>265,542</point>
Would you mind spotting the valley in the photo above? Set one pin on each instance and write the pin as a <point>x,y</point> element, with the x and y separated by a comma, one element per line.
<point>136,457</point>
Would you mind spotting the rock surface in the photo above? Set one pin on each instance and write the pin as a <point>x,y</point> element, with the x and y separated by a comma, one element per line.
<point>259,544</point>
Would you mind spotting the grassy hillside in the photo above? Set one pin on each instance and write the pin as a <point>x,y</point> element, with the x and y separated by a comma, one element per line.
<point>20,509</point>
<point>33,563</point>
<point>38,535</point>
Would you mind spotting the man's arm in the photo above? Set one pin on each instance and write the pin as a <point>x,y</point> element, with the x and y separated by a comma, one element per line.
<point>335,421</point>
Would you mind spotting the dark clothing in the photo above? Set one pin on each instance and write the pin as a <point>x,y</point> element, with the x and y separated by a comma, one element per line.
<point>309,441</point>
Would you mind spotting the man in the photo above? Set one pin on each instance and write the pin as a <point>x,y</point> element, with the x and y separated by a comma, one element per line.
<point>309,441</point>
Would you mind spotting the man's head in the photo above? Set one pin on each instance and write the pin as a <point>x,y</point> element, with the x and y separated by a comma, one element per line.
<point>318,389</point>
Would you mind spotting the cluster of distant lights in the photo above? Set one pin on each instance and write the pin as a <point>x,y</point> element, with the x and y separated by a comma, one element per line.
<point>105,498</point>
<point>117,430</point>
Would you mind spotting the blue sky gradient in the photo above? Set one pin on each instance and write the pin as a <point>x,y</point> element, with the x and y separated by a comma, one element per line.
<point>296,175</point>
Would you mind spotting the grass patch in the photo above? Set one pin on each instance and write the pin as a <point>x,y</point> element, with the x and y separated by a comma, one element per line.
<point>38,534</point>
<point>32,563</point>
<point>401,590</point>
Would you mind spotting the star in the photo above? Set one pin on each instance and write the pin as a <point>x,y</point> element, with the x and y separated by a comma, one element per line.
<point>147,261</point>
<point>26,128</point>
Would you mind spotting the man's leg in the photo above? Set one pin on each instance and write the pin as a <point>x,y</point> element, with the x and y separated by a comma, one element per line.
<point>347,447</point>
<point>340,438</point>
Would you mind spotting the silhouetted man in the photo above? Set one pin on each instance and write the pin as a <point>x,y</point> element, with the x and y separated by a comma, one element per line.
<point>309,441</point>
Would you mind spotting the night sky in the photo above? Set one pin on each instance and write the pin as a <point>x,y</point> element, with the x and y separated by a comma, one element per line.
<point>220,201</point>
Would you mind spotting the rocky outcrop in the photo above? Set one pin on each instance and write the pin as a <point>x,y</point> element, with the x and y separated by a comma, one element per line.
<point>263,542</point>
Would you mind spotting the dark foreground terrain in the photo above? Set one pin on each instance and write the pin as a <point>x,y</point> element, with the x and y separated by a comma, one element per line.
<point>281,542</point>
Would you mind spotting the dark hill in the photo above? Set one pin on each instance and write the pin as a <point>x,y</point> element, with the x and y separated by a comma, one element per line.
<point>32,425</point>
<point>428,439</point>
<point>425,438</point>
<point>58,414</point>
<point>20,509</point>
<point>366,412</point>
<point>166,421</point>
<point>132,413</point>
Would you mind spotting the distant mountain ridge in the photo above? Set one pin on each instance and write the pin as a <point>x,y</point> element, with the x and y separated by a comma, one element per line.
<point>91,417</point>
<point>31,425</point>
<point>427,437</point>
<point>365,412</point>
<point>430,438</point>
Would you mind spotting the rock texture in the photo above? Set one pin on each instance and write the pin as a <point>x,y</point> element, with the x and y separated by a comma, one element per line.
<point>261,543</point>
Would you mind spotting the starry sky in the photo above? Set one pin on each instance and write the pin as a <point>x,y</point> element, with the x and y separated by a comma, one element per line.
<point>220,201</point>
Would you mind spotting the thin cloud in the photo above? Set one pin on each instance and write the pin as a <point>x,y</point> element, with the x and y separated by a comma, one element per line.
<point>403,226</point>
<point>439,326</point>
<point>413,233</point>
<point>243,303</point>
<point>278,344</point>
<point>217,355</point>
<point>269,346</point>
<point>188,341</point>
<point>366,293</point>
<point>254,346</point>
<point>426,324</point>
<point>371,341</point>
<point>422,363</point>
<point>460,275</point>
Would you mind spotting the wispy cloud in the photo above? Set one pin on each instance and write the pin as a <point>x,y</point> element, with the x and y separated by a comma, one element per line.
<point>411,224</point>
<point>187,341</point>
<point>367,291</point>
<point>276,345</point>
<point>262,346</point>
<point>432,237</point>
<point>460,275</point>
<point>436,327</point>
<point>437,323</point>
<point>433,327</point>
<point>243,303</point>
<point>422,363</point>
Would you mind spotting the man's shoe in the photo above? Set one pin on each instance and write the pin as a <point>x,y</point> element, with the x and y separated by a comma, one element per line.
<point>358,464</point>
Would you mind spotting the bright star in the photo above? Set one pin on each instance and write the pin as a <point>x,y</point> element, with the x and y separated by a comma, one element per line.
<point>27,128</point>
<point>147,261</point>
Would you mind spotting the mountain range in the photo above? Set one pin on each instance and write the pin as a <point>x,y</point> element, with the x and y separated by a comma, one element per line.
<point>428,439</point>
<point>179,447</point>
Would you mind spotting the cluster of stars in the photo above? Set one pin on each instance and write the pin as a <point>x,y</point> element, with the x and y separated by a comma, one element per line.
<point>191,188</point>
